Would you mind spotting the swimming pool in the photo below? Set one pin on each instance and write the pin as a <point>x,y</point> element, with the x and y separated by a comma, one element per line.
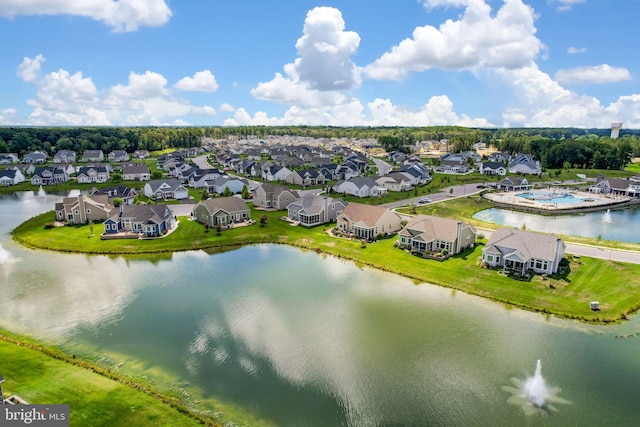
<point>557,197</point>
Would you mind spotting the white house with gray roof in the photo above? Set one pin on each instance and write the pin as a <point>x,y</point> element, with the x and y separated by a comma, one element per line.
<point>520,250</point>
<point>10,177</point>
<point>359,187</point>
<point>162,189</point>
<point>312,210</point>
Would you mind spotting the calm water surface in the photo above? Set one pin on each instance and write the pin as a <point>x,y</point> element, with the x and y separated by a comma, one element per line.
<point>302,339</point>
<point>622,225</point>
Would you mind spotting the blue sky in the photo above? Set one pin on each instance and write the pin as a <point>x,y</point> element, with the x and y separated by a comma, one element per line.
<point>479,63</point>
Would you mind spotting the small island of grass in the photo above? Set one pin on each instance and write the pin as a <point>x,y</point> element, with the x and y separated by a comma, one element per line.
<point>568,295</point>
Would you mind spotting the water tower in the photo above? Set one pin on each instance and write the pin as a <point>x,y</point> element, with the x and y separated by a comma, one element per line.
<point>615,129</point>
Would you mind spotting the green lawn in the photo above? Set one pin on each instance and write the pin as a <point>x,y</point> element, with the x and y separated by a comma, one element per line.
<point>589,279</point>
<point>93,399</point>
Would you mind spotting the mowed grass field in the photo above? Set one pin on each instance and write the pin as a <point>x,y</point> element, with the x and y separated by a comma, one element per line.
<point>611,283</point>
<point>93,399</point>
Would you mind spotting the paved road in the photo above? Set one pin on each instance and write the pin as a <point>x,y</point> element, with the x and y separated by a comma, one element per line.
<point>201,162</point>
<point>383,167</point>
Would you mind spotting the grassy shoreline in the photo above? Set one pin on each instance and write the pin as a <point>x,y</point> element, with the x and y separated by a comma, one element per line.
<point>96,395</point>
<point>566,297</point>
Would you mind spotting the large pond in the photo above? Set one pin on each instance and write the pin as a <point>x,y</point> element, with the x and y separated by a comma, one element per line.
<point>302,339</point>
<point>619,225</point>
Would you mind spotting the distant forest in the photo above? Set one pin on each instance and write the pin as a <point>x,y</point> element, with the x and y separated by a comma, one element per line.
<point>554,147</point>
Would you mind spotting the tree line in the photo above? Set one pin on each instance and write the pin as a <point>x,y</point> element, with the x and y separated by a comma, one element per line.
<point>554,147</point>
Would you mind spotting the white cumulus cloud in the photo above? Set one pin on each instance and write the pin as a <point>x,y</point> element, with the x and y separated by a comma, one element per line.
<point>227,108</point>
<point>477,39</point>
<point>67,99</point>
<point>603,73</point>
<point>322,70</point>
<point>29,69</point>
<point>541,101</point>
<point>202,81</point>
<point>121,15</point>
<point>325,50</point>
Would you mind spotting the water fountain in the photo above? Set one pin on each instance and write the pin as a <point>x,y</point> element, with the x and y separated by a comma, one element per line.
<point>533,395</point>
<point>5,256</point>
<point>41,192</point>
<point>606,218</point>
<point>535,389</point>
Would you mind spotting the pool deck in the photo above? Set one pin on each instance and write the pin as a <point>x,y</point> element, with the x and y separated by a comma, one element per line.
<point>587,202</point>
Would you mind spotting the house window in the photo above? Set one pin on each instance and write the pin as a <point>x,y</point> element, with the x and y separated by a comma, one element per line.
<point>489,258</point>
<point>76,212</point>
<point>88,211</point>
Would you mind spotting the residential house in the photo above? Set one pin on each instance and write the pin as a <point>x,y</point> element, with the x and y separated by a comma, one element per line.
<point>64,156</point>
<point>224,182</point>
<point>136,172</point>
<point>276,173</point>
<point>396,157</point>
<point>141,154</point>
<point>83,209</point>
<point>93,156</point>
<point>27,169</point>
<point>524,163</point>
<point>9,177</point>
<point>331,171</point>
<point>426,234</point>
<point>126,194</point>
<point>310,209</point>
<point>35,157</point>
<point>271,196</point>
<point>291,162</point>
<point>173,156</point>
<point>499,157</point>
<point>254,154</point>
<point>68,168</point>
<point>8,158</point>
<point>368,221</point>
<point>246,167</point>
<point>619,186</point>
<point>223,211</point>
<point>145,220</point>
<point>418,171</point>
<point>305,177</point>
<point>359,187</point>
<point>395,181</point>
<point>200,178</point>
<point>520,250</point>
<point>118,156</point>
<point>49,175</point>
<point>163,189</point>
<point>513,183</point>
<point>89,174</point>
<point>493,168</point>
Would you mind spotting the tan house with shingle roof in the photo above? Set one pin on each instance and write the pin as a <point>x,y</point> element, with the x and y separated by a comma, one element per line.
<point>367,221</point>
<point>522,250</point>
<point>221,210</point>
<point>426,234</point>
<point>83,209</point>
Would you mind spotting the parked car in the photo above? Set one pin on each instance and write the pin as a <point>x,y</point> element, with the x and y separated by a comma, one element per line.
<point>424,200</point>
